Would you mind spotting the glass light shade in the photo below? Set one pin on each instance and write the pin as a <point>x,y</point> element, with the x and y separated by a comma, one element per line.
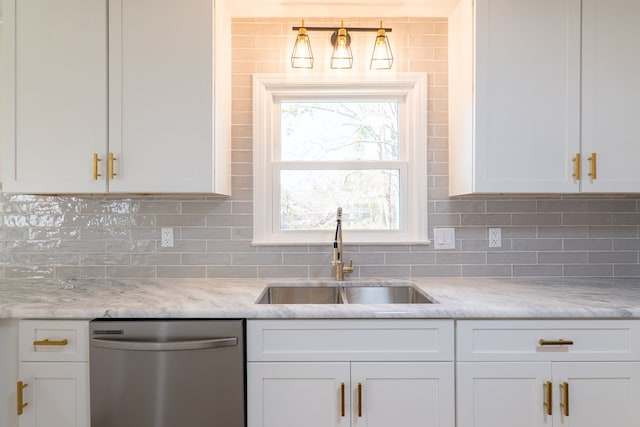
<point>341,57</point>
<point>302,56</point>
<point>382,58</point>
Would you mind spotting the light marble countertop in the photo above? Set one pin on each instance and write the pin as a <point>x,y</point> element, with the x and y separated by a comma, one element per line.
<point>456,298</point>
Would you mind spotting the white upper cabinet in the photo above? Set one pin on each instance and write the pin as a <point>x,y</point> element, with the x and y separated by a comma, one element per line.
<point>116,96</point>
<point>55,94</point>
<point>536,88</point>
<point>162,120</point>
<point>610,94</point>
<point>514,95</point>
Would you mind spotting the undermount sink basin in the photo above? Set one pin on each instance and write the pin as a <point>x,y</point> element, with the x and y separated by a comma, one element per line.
<point>385,295</point>
<point>343,293</point>
<point>300,295</point>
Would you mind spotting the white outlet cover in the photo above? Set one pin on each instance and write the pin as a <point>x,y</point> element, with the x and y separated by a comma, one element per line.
<point>166,237</point>
<point>495,238</point>
<point>444,238</point>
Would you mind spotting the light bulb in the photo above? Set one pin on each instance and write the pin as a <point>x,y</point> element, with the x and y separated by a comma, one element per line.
<point>302,56</point>
<point>341,57</point>
<point>382,58</point>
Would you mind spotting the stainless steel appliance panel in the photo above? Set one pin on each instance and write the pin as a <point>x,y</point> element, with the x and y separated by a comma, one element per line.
<point>167,373</point>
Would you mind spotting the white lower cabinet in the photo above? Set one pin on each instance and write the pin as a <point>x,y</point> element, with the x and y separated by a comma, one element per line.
<point>501,394</point>
<point>53,374</point>
<point>56,394</point>
<point>8,371</point>
<point>402,394</point>
<point>297,394</point>
<point>598,394</point>
<point>373,373</point>
<point>548,373</point>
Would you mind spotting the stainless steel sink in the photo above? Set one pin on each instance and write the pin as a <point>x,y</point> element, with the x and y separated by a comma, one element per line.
<point>385,295</point>
<point>387,292</point>
<point>300,295</point>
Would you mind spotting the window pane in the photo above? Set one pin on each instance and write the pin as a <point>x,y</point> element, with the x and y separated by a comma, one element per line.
<point>365,130</point>
<point>369,199</point>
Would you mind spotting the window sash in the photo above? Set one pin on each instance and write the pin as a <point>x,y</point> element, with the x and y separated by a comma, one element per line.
<point>403,202</point>
<point>400,100</point>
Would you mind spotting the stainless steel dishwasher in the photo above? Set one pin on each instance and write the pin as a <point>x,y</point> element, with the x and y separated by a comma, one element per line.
<point>167,373</point>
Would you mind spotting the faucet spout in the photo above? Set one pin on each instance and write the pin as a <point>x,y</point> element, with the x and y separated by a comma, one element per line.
<point>338,261</point>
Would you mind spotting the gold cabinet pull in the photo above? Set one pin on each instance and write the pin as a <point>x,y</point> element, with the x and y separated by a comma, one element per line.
<point>593,174</point>
<point>576,167</point>
<point>559,341</point>
<point>21,403</point>
<point>60,343</point>
<point>96,159</point>
<point>564,403</point>
<point>342,403</point>
<point>360,400</point>
<point>548,398</point>
<point>112,172</point>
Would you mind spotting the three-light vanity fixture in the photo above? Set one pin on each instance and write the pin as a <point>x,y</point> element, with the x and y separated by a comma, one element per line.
<point>341,57</point>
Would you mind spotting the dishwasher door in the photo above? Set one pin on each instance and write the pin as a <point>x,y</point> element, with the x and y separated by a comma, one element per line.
<point>167,373</point>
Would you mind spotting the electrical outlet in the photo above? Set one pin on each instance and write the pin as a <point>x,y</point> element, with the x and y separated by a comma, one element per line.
<point>495,238</point>
<point>166,237</point>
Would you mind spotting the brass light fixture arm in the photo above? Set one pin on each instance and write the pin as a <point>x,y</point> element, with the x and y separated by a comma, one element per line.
<point>354,29</point>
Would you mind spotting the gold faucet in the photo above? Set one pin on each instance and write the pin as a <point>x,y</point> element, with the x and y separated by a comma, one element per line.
<point>338,262</point>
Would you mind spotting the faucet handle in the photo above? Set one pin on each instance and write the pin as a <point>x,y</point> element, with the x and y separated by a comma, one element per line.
<point>348,268</point>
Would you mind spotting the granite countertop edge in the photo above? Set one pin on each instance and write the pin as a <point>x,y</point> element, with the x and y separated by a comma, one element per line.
<point>456,298</point>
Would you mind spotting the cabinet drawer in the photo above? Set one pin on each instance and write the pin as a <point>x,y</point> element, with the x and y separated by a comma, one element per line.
<point>54,340</point>
<point>549,340</point>
<point>354,340</point>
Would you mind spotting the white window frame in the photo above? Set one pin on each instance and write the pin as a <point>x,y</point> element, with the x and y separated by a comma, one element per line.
<point>410,88</point>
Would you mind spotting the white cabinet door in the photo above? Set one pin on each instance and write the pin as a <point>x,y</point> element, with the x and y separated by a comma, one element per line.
<point>298,394</point>
<point>402,394</point>
<point>599,394</point>
<point>55,94</point>
<point>515,112</point>
<point>502,394</point>
<point>161,92</point>
<point>57,394</point>
<point>610,93</point>
<point>8,372</point>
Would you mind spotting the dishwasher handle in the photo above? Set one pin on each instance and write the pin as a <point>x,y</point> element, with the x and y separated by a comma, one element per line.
<point>164,346</point>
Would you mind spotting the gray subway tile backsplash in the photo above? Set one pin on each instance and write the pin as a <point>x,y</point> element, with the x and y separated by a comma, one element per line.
<point>589,244</point>
<point>539,270</point>
<point>617,257</point>
<point>588,270</point>
<point>563,257</point>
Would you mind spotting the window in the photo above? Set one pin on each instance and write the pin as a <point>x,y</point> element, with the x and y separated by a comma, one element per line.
<point>356,144</point>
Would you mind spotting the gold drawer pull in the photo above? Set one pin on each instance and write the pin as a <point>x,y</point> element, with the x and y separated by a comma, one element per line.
<point>112,172</point>
<point>60,343</point>
<point>548,398</point>
<point>576,167</point>
<point>96,159</point>
<point>564,403</point>
<point>21,404</point>
<point>560,341</point>
<point>593,174</point>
